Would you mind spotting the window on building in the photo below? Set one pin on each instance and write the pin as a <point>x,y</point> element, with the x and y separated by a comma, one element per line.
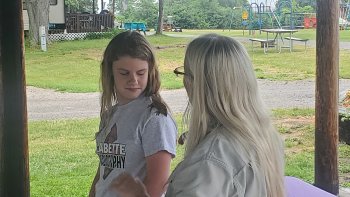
<point>53,2</point>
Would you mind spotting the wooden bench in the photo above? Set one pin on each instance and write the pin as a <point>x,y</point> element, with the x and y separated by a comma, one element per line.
<point>264,43</point>
<point>298,39</point>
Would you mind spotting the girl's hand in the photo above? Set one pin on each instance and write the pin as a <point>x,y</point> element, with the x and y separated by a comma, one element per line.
<point>128,186</point>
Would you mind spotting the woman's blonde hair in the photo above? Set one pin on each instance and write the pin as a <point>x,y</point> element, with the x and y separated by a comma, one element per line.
<point>223,92</point>
<point>135,45</point>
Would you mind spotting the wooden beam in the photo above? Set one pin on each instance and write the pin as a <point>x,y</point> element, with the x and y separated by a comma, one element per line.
<point>14,170</point>
<point>327,91</point>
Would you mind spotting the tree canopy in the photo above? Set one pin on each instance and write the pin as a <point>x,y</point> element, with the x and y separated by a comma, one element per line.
<point>80,5</point>
<point>194,14</point>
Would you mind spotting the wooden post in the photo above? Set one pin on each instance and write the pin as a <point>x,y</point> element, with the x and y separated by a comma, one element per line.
<point>78,18</point>
<point>14,170</point>
<point>327,88</point>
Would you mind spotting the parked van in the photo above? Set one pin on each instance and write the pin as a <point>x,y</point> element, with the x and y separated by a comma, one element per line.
<point>56,15</point>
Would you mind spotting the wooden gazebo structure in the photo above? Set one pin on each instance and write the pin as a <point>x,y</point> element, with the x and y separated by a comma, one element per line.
<point>14,170</point>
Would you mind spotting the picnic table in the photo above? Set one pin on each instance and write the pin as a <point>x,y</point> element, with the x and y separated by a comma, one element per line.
<point>278,37</point>
<point>264,43</point>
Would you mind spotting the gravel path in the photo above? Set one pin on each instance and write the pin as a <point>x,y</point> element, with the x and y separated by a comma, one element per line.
<point>44,104</point>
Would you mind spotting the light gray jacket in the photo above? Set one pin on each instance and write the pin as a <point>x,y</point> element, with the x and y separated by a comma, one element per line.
<point>217,168</point>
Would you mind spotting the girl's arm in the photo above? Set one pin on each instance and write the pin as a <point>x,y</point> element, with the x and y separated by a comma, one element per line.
<point>157,174</point>
<point>92,189</point>
<point>128,186</point>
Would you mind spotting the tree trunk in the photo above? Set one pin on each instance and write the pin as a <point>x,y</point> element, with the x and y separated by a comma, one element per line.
<point>38,14</point>
<point>124,5</point>
<point>113,7</point>
<point>160,18</point>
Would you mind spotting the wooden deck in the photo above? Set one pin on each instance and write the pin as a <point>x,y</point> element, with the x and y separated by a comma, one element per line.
<point>77,23</point>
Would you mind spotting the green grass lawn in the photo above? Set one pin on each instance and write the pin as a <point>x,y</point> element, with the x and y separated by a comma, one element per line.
<point>74,66</point>
<point>63,162</point>
<point>344,35</point>
<point>62,158</point>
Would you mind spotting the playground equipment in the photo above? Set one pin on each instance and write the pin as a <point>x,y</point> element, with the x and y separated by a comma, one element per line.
<point>344,15</point>
<point>169,25</point>
<point>261,16</point>
<point>271,15</point>
<point>281,14</point>
<point>310,21</point>
<point>135,26</point>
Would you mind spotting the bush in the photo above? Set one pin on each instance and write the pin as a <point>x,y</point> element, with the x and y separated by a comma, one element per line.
<point>344,118</point>
<point>103,35</point>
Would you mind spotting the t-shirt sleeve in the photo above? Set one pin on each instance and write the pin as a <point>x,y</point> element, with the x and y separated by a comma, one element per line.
<point>204,178</point>
<point>159,134</point>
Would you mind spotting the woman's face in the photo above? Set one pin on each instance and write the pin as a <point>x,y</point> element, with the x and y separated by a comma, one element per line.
<point>130,78</point>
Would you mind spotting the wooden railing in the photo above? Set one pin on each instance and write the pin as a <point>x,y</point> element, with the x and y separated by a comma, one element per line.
<point>77,23</point>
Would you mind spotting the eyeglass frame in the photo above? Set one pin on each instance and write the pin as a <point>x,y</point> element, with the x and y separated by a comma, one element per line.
<point>177,72</point>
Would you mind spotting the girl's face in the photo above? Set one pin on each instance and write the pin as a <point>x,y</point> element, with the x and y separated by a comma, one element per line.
<point>130,78</point>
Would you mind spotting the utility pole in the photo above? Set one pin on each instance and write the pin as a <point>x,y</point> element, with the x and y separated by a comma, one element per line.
<point>327,91</point>
<point>14,167</point>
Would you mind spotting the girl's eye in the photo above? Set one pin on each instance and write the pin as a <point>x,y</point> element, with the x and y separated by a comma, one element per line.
<point>141,73</point>
<point>124,73</point>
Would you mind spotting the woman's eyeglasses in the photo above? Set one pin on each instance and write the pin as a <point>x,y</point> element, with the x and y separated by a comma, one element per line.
<point>179,71</point>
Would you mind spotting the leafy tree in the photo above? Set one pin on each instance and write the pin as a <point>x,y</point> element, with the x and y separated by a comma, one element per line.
<point>305,5</point>
<point>232,3</point>
<point>74,6</point>
<point>139,11</point>
<point>205,13</point>
<point>300,6</point>
<point>122,5</point>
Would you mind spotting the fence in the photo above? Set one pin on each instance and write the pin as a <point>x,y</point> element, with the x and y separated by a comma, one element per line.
<point>66,36</point>
<point>77,23</point>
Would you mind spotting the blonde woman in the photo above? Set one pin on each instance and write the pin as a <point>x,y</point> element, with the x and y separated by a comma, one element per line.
<point>232,148</point>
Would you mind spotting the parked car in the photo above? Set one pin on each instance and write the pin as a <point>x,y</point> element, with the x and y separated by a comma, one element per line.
<point>177,29</point>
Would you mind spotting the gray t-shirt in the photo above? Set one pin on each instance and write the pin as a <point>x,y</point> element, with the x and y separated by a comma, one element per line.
<point>133,132</point>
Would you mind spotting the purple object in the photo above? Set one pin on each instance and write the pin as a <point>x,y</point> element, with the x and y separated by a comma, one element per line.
<point>298,188</point>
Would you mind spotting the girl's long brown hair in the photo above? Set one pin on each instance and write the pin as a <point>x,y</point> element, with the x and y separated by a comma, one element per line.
<point>135,45</point>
